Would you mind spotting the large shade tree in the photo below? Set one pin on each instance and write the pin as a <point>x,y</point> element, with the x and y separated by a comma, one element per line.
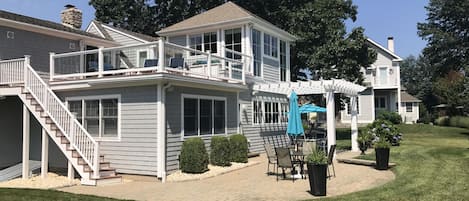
<point>323,45</point>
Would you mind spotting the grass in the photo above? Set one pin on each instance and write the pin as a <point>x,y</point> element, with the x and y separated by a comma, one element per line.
<point>432,164</point>
<point>44,195</point>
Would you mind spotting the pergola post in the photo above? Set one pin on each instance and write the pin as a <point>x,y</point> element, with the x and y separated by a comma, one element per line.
<point>353,122</point>
<point>44,154</point>
<point>330,105</point>
<point>25,172</point>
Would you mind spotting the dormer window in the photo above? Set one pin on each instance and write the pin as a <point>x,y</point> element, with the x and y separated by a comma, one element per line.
<point>270,45</point>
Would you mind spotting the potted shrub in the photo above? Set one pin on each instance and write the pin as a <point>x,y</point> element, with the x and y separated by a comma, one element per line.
<point>317,172</point>
<point>364,140</point>
<point>382,154</point>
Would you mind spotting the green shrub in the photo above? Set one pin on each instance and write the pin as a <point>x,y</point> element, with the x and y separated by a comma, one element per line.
<point>459,121</point>
<point>442,121</point>
<point>220,152</point>
<point>239,148</point>
<point>194,157</point>
<point>317,157</point>
<point>392,117</point>
<point>384,130</point>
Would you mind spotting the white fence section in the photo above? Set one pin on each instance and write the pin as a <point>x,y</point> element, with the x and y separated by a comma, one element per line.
<point>154,57</point>
<point>19,71</point>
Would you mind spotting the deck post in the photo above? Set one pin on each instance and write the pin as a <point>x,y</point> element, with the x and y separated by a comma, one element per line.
<point>70,172</point>
<point>26,129</point>
<point>353,122</point>
<point>51,66</point>
<point>161,61</point>
<point>330,104</point>
<point>209,64</point>
<point>161,151</point>
<point>44,154</point>
<point>100,62</point>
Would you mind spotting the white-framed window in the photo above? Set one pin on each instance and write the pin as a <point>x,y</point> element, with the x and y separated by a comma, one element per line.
<point>408,107</point>
<point>380,102</point>
<point>203,115</point>
<point>284,108</point>
<point>283,61</point>
<point>349,106</point>
<point>233,42</point>
<point>257,112</point>
<point>383,75</point>
<point>99,115</point>
<point>270,45</point>
<point>203,42</point>
<point>257,51</point>
<point>142,56</point>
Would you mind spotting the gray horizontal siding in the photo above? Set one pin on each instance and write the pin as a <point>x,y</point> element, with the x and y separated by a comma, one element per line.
<point>173,120</point>
<point>34,44</point>
<point>136,152</point>
<point>122,39</point>
<point>178,40</point>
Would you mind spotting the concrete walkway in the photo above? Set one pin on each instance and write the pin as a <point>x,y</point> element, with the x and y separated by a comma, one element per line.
<point>250,183</point>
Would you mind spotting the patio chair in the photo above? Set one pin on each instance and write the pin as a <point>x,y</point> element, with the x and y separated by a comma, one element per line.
<point>176,62</point>
<point>284,161</point>
<point>330,162</point>
<point>271,157</point>
<point>150,63</point>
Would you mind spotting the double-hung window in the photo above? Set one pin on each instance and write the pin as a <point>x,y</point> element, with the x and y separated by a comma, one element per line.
<point>408,107</point>
<point>270,45</point>
<point>269,112</point>
<point>257,112</point>
<point>233,42</point>
<point>203,42</point>
<point>284,112</point>
<point>203,115</point>
<point>99,116</point>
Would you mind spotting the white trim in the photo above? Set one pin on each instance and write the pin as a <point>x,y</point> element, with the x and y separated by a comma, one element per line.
<point>138,56</point>
<point>277,47</point>
<point>397,58</point>
<point>101,97</point>
<point>198,97</point>
<point>95,27</point>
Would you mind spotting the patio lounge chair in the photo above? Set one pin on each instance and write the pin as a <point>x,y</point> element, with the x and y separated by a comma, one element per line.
<point>330,161</point>
<point>150,63</point>
<point>284,161</point>
<point>176,62</point>
<point>271,157</point>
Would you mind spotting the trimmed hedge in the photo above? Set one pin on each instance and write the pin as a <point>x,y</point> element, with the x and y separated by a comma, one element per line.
<point>459,121</point>
<point>239,148</point>
<point>392,117</point>
<point>442,121</point>
<point>220,152</point>
<point>194,157</point>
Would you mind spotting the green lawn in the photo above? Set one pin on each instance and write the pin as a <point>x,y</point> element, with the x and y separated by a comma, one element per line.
<point>433,164</point>
<point>44,195</point>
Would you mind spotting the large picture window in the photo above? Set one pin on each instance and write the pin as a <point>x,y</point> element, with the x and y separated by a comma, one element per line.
<point>203,116</point>
<point>270,45</point>
<point>99,116</point>
<point>269,112</point>
<point>233,42</point>
<point>203,42</point>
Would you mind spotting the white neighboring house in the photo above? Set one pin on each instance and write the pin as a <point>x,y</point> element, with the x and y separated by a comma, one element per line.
<point>383,91</point>
<point>409,107</point>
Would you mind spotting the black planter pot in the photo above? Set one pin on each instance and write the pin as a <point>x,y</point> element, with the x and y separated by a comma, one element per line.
<point>363,147</point>
<point>317,179</point>
<point>382,158</point>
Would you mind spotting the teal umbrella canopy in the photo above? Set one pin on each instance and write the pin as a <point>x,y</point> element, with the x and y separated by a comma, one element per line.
<point>295,127</point>
<point>307,108</point>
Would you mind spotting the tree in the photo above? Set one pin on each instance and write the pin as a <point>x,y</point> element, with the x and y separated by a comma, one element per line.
<point>417,77</point>
<point>323,45</point>
<point>452,90</point>
<point>447,31</point>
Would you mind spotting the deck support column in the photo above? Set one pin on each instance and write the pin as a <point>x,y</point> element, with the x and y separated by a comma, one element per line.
<point>353,122</point>
<point>26,135</point>
<point>161,55</point>
<point>44,154</point>
<point>161,133</point>
<point>70,172</point>
<point>330,104</point>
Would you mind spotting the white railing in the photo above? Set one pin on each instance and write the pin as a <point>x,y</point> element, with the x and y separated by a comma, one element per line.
<point>11,71</point>
<point>154,57</point>
<point>20,71</point>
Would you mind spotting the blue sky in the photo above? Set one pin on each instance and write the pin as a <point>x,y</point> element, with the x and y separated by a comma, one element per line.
<point>380,18</point>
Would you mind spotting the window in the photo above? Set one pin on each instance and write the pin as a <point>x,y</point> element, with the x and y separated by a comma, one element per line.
<point>142,56</point>
<point>383,75</point>
<point>380,102</point>
<point>268,112</point>
<point>257,112</point>
<point>100,117</point>
<point>233,42</point>
<point>275,113</point>
<point>349,106</point>
<point>203,42</point>
<point>203,116</point>
<point>195,42</point>
<point>408,107</point>
<point>256,48</point>
<point>284,112</point>
<point>270,45</point>
<point>283,61</point>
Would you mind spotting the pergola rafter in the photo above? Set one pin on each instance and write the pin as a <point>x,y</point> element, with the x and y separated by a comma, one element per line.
<point>329,88</point>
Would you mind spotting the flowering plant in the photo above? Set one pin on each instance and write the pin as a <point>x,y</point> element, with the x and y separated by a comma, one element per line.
<point>382,130</point>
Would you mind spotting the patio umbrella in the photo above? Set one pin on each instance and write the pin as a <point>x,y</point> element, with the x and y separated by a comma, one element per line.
<point>307,108</point>
<point>295,127</point>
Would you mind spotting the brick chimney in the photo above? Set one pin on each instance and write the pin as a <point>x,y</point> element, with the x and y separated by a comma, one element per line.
<point>71,16</point>
<point>391,44</point>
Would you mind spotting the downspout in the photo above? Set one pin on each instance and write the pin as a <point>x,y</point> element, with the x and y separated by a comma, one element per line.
<point>161,104</point>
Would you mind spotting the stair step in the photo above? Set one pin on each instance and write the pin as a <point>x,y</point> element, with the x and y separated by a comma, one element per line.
<point>29,96</point>
<point>102,164</point>
<point>49,120</point>
<point>64,140</point>
<point>54,127</point>
<point>108,180</point>
<point>58,134</point>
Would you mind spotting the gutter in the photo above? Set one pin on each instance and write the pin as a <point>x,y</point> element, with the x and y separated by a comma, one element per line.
<point>161,133</point>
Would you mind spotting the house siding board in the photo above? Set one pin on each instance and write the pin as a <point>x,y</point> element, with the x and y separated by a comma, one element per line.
<point>135,153</point>
<point>173,120</point>
<point>271,70</point>
<point>366,106</point>
<point>131,54</point>
<point>260,134</point>
<point>34,44</point>
<point>178,40</point>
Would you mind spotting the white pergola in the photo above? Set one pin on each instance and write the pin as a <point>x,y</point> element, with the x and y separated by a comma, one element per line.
<point>329,88</point>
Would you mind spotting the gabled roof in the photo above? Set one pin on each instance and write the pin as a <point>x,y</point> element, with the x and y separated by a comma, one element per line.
<point>43,23</point>
<point>386,50</point>
<point>102,29</point>
<point>407,98</point>
<point>225,13</point>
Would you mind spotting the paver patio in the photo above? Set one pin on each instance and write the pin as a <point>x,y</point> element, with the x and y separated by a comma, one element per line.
<point>250,183</point>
